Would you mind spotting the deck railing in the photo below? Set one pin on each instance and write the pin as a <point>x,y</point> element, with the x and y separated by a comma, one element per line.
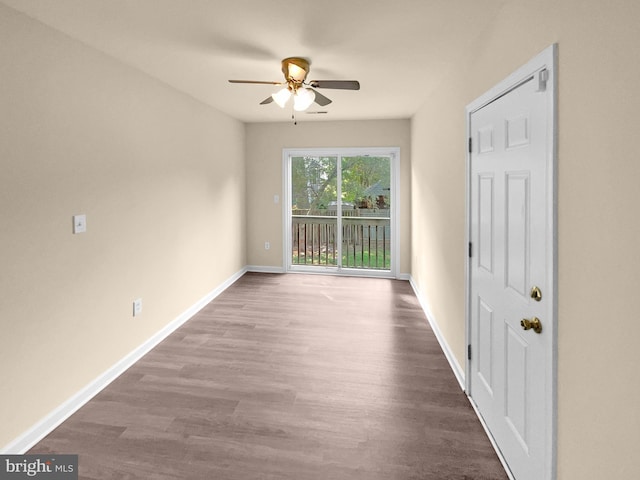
<point>366,240</point>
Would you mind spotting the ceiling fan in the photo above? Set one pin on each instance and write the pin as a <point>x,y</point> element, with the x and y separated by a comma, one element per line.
<point>295,70</point>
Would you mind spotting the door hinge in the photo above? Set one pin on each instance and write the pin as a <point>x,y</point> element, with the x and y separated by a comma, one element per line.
<point>470,249</point>
<point>469,352</point>
<point>470,145</point>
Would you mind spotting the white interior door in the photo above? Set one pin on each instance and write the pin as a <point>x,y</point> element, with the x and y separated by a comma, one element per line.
<point>511,275</point>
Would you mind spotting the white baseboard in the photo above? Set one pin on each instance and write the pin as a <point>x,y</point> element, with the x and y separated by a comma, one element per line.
<point>455,366</point>
<point>263,269</point>
<point>46,425</point>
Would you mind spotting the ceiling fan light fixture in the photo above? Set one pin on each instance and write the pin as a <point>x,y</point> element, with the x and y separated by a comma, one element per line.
<point>282,97</point>
<point>296,73</point>
<point>303,99</point>
<point>295,69</point>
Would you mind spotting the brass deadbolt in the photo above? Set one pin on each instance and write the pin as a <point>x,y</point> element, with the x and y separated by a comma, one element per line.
<point>536,294</point>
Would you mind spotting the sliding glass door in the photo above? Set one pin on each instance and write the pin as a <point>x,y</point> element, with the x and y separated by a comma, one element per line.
<point>340,211</point>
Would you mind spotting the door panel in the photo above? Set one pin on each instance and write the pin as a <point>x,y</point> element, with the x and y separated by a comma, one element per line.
<point>485,139</point>
<point>515,385</point>
<point>314,185</point>
<point>517,131</point>
<point>366,216</point>
<point>486,222</point>
<point>485,340</point>
<point>517,227</point>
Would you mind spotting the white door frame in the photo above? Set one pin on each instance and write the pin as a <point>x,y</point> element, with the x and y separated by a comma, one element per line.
<point>546,60</point>
<point>394,154</point>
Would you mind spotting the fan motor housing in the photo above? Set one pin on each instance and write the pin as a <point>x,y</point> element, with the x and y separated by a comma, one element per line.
<point>295,69</point>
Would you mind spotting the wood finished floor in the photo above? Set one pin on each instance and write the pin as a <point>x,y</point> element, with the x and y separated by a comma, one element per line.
<point>299,377</point>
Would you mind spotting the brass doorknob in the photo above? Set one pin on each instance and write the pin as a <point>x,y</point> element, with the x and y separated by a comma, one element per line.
<point>534,324</point>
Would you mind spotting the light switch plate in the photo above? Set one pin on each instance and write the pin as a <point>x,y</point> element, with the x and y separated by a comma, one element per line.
<point>79,223</point>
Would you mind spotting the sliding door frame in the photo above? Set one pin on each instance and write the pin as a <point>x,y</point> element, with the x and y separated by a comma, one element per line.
<point>394,156</point>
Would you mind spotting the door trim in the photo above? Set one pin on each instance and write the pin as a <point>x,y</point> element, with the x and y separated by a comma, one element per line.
<point>545,60</point>
<point>394,154</point>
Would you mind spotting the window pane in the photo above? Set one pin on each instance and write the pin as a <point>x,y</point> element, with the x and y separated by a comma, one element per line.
<point>366,221</point>
<point>313,208</point>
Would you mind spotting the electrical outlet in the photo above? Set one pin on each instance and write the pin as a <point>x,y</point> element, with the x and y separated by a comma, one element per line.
<point>137,307</point>
<point>267,245</point>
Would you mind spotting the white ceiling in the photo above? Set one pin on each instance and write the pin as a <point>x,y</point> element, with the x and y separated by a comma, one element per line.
<point>397,49</point>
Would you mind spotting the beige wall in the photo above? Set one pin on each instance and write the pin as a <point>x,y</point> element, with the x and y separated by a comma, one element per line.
<point>161,180</point>
<point>265,142</point>
<point>599,226</point>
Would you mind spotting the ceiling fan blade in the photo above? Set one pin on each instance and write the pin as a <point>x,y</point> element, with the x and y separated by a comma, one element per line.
<point>321,99</point>
<point>267,100</point>
<point>258,82</point>
<point>336,84</point>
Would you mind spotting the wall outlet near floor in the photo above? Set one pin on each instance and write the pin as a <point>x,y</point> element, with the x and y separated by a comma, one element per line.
<point>137,307</point>
<point>267,245</point>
